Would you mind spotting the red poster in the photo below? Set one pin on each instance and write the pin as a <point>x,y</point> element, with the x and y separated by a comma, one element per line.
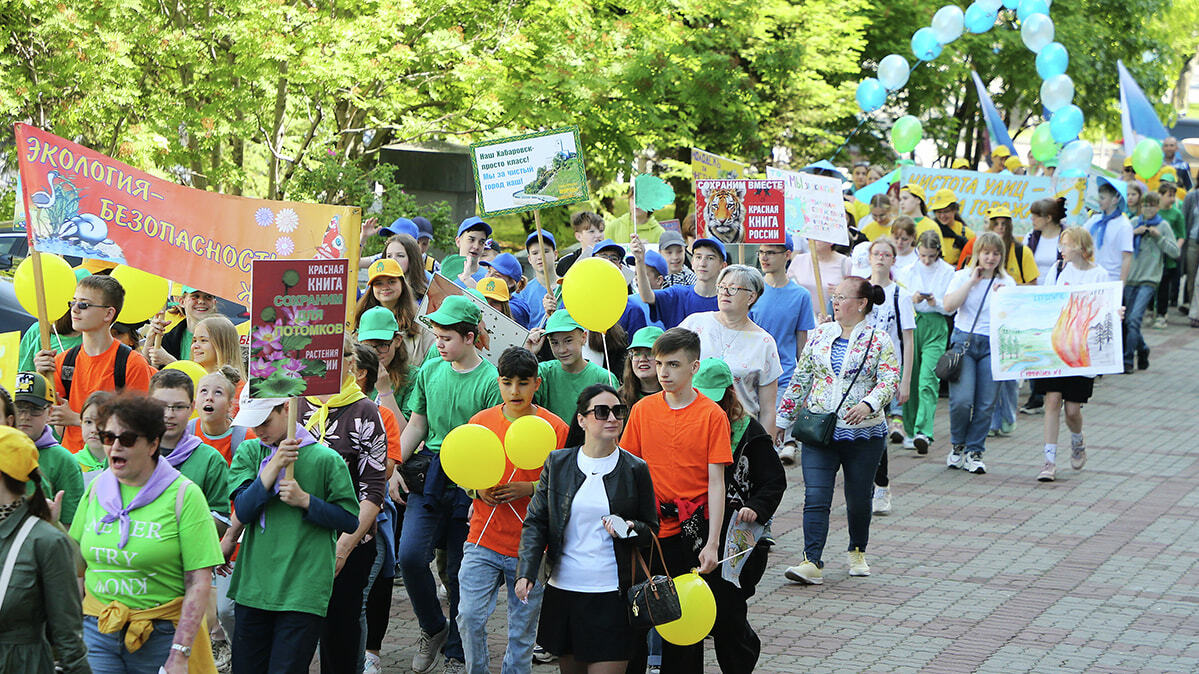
<point>740,211</point>
<point>298,314</point>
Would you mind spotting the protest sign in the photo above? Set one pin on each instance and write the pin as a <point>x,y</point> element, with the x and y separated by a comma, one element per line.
<point>740,541</point>
<point>814,205</point>
<point>80,202</point>
<point>529,172</point>
<point>977,192</point>
<point>497,331</point>
<point>298,317</point>
<point>708,166</point>
<point>10,346</point>
<point>1056,331</point>
<point>740,211</point>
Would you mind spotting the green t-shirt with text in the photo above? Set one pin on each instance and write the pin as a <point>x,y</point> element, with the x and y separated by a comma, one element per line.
<point>149,570</point>
<point>449,398</point>
<point>286,563</point>
<point>61,472</point>
<point>207,468</point>
<point>560,389</point>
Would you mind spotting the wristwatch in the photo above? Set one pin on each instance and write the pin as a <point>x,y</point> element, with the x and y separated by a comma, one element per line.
<point>185,650</point>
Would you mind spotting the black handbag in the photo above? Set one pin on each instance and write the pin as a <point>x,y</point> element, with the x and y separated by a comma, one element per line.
<point>816,429</point>
<point>949,365</point>
<point>653,601</point>
<point>415,470</point>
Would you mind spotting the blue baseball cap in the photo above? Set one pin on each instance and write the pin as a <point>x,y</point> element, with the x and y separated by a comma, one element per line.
<point>714,243</point>
<point>506,264</point>
<point>474,222</point>
<point>424,227</point>
<point>788,243</point>
<point>400,226</point>
<point>654,260</point>
<point>530,239</point>
<point>605,245</point>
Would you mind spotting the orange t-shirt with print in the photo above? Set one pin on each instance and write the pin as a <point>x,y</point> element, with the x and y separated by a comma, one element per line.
<point>503,531</point>
<point>224,443</point>
<point>678,445</point>
<point>95,373</point>
<point>392,428</point>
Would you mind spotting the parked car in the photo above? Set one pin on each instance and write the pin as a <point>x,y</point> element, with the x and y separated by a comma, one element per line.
<point>14,246</point>
<point>12,315</point>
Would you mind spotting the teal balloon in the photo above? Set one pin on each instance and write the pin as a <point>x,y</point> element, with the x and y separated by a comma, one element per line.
<point>905,133</point>
<point>1066,124</point>
<point>1044,147</point>
<point>1027,8</point>
<point>1037,32</point>
<point>980,19</point>
<point>1147,158</point>
<point>1011,4</point>
<point>893,71</point>
<point>1057,92</point>
<point>652,193</point>
<point>1052,60</point>
<point>992,6</point>
<point>925,45</point>
<point>871,94</point>
<point>947,24</point>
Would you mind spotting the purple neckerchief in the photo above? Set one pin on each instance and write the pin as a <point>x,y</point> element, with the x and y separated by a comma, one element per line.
<point>46,439</point>
<point>108,494</point>
<point>305,439</point>
<point>183,449</point>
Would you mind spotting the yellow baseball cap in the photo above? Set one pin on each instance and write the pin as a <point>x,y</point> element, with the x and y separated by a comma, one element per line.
<point>1127,162</point>
<point>944,197</point>
<point>915,190</point>
<point>1001,151</point>
<point>384,267</point>
<point>999,212</point>
<point>493,288</point>
<point>18,455</point>
<point>960,163</point>
<point>1013,163</point>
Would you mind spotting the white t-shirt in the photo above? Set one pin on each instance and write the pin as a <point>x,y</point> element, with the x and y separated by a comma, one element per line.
<point>588,561</point>
<point>903,261</point>
<point>883,316</point>
<point>1045,255</point>
<point>933,279</point>
<point>1073,276</point>
<point>1117,240</point>
<point>752,355</point>
<point>974,304</point>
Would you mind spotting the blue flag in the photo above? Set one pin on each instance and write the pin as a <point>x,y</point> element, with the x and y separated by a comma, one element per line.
<point>1137,116</point>
<point>996,128</point>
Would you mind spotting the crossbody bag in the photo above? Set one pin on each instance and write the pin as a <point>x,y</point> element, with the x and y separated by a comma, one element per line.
<point>816,429</point>
<point>949,365</point>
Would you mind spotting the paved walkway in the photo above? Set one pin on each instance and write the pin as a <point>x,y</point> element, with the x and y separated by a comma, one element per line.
<point>999,573</point>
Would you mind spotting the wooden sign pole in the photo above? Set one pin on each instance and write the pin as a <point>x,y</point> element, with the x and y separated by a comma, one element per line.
<point>39,289</point>
<point>820,304</point>
<point>293,407</point>
<point>545,268</point>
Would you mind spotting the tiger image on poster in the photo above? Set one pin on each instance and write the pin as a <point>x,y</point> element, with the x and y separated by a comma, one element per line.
<point>724,212</point>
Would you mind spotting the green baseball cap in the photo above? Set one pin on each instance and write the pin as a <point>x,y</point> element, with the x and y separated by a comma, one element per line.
<point>454,309</point>
<point>33,388</point>
<point>561,321</point>
<point>377,323</point>
<point>645,337</point>
<point>713,378</point>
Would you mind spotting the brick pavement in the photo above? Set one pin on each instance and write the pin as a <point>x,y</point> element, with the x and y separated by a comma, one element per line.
<point>1094,572</point>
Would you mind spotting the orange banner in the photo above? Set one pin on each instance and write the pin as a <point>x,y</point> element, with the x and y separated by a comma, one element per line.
<point>80,202</point>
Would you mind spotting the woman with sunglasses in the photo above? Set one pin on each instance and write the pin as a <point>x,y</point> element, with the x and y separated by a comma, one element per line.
<point>588,495</point>
<point>847,367</point>
<point>731,335</point>
<point>149,545</point>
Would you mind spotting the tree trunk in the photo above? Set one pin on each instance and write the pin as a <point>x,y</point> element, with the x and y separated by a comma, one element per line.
<point>275,142</point>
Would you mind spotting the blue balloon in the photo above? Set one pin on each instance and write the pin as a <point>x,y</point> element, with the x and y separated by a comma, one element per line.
<point>1066,124</point>
<point>871,94</point>
<point>1011,4</point>
<point>1053,60</point>
<point>1027,8</point>
<point>925,45</point>
<point>979,19</point>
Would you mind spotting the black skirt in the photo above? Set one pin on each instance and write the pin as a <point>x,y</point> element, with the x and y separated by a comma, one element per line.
<point>591,626</point>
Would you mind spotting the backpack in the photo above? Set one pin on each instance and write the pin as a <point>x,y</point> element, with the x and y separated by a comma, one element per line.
<point>67,376</point>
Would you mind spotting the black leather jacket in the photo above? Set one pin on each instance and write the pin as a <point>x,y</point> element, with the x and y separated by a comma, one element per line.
<point>630,496</point>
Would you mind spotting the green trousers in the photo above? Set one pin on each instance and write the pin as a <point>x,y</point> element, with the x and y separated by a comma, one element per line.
<point>932,335</point>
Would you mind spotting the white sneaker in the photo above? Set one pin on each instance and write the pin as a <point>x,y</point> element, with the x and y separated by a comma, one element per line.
<point>909,443</point>
<point>857,563</point>
<point>805,572</point>
<point>974,463</point>
<point>956,456</point>
<point>1048,472</point>
<point>882,501</point>
<point>921,443</point>
<point>372,666</point>
<point>787,454</point>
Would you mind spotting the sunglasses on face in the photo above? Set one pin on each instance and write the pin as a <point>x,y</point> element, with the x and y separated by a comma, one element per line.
<point>126,439</point>
<point>84,305</point>
<point>603,412</point>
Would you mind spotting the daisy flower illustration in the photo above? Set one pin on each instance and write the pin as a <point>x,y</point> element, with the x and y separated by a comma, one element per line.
<point>263,217</point>
<point>284,246</point>
<point>287,221</point>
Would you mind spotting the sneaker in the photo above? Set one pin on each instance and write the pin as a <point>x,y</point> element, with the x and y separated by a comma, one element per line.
<point>1005,429</point>
<point>956,457</point>
<point>1029,409</point>
<point>881,501</point>
<point>896,431</point>
<point>1143,360</point>
<point>541,655</point>
<point>806,573</point>
<point>222,656</point>
<point>857,563</point>
<point>1047,472</point>
<point>1161,323</point>
<point>428,648</point>
<point>453,666</point>
<point>921,443</point>
<point>974,463</point>
<point>787,454</point>
<point>909,443</point>
<point>1078,454</point>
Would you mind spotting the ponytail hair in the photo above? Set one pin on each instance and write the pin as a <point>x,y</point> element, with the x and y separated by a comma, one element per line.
<point>37,500</point>
<point>1054,209</point>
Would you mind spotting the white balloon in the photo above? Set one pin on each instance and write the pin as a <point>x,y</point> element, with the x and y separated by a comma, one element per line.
<point>893,71</point>
<point>948,23</point>
<point>1076,155</point>
<point>1057,92</point>
<point>1037,32</point>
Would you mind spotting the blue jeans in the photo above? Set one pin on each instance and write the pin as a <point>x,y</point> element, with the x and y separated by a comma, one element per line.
<point>1006,396</point>
<point>428,519</point>
<point>1136,302</point>
<point>106,653</point>
<point>858,459</point>
<point>972,396</point>
<point>482,575</point>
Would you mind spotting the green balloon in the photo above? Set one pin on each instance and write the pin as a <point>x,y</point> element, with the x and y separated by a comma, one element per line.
<point>905,133</point>
<point>1147,158</point>
<point>1044,147</point>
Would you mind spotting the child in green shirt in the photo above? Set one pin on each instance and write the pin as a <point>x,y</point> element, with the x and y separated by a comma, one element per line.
<point>60,472</point>
<point>198,462</point>
<point>563,379</point>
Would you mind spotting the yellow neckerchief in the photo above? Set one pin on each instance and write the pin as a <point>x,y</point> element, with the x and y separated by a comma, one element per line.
<point>111,617</point>
<point>350,394</point>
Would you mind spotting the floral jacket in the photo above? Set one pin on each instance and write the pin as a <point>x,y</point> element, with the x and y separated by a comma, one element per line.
<point>815,386</point>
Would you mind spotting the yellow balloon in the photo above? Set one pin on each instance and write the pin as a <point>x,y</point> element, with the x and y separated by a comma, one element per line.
<point>473,457</point>
<point>529,441</point>
<point>145,294</point>
<point>58,279</point>
<point>595,293</point>
<point>699,612</point>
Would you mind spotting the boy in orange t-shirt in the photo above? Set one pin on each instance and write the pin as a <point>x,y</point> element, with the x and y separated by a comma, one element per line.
<point>499,513</point>
<point>215,396</point>
<point>97,303</point>
<point>684,437</point>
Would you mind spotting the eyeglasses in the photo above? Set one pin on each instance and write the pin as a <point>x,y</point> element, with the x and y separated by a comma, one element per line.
<point>84,305</point>
<point>842,298</point>
<point>731,291</point>
<point>762,252</point>
<point>126,439</point>
<point>29,410</point>
<point>603,412</point>
<point>177,408</point>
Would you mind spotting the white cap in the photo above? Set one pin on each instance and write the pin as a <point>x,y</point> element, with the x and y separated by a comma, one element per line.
<point>252,412</point>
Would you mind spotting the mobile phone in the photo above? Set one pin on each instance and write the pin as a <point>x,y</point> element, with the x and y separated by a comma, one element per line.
<point>619,525</point>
